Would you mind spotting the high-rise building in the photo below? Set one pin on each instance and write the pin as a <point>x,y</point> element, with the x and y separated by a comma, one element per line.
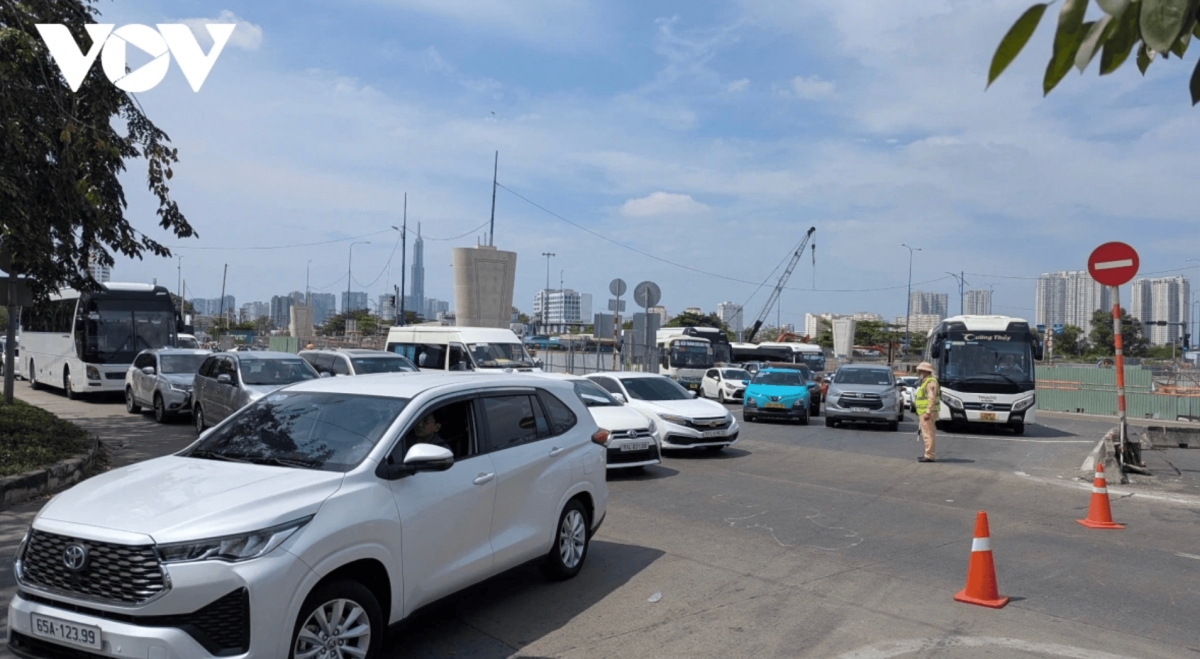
<point>323,306</point>
<point>921,323</point>
<point>730,313</point>
<point>977,302</point>
<point>1162,299</point>
<point>213,306</point>
<point>418,275</point>
<point>388,308</point>
<point>929,303</point>
<point>281,310</point>
<point>101,273</point>
<point>1069,298</point>
<point>356,302</point>
<point>663,316</point>
<point>562,307</point>
<point>435,309</point>
<point>252,311</point>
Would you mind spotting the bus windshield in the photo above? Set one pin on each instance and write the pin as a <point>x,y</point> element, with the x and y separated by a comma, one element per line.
<point>116,330</point>
<point>1000,357</point>
<point>813,360</point>
<point>691,354</point>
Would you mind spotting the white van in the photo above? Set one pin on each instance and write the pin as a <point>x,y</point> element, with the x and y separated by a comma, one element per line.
<point>441,348</point>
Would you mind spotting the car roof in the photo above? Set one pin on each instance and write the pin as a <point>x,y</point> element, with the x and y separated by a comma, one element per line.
<point>571,377</point>
<point>629,374</point>
<point>250,355</point>
<point>180,351</point>
<point>772,369</point>
<point>864,367</point>
<point>411,385</point>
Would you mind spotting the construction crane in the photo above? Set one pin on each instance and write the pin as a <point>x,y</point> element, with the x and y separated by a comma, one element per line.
<point>758,322</point>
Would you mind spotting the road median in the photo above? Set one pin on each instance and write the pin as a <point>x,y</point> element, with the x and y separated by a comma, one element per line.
<point>40,453</point>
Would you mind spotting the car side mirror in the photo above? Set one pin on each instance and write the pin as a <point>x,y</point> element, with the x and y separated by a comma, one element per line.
<point>620,398</point>
<point>326,374</point>
<point>694,393</point>
<point>148,370</point>
<point>224,379</point>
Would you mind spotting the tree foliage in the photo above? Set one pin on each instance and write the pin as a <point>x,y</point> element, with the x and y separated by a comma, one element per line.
<point>364,321</point>
<point>61,202</point>
<point>1133,342</point>
<point>1158,28</point>
<point>688,319</point>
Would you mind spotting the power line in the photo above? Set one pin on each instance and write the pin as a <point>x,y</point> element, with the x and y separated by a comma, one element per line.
<point>263,247</point>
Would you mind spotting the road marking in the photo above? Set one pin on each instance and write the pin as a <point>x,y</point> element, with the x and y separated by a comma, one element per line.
<point>1020,439</point>
<point>1192,556</point>
<point>1109,265</point>
<point>889,649</point>
<point>1184,499</point>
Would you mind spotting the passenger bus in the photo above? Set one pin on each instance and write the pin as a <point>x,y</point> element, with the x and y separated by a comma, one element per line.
<point>84,342</point>
<point>685,359</point>
<point>985,367</point>
<point>722,352</point>
<point>809,354</point>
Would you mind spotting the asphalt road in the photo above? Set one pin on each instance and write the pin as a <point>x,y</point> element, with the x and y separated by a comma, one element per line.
<point>816,542</point>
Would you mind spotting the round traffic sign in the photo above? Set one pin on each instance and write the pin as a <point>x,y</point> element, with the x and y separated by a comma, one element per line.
<point>617,287</point>
<point>647,294</point>
<point>1113,264</point>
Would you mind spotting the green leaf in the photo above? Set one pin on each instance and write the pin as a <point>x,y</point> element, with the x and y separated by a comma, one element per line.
<point>1113,7</point>
<point>1087,49</point>
<point>1071,30</point>
<point>1185,36</point>
<point>1161,22</point>
<point>1144,58</point>
<point>1016,38</point>
<point>1194,84</point>
<point>1120,41</point>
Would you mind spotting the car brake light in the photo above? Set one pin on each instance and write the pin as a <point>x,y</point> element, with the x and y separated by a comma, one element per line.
<point>600,437</point>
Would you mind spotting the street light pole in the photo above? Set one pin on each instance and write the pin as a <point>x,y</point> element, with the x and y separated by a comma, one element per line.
<point>307,294</point>
<point>546,292</point>
<point>962,298</point>
<point>403,229</point>
<point>908,315</point>
<point>179,285</point>
<point>350,280</point>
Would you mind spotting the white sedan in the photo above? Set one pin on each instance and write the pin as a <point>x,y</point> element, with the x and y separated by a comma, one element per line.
<point>683,421</point>
<point>633,437</point>
<point>725,384</point>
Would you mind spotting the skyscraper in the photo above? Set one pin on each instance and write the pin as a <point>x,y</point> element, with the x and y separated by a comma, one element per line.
<point>927,303</point>
<point>977,302</point>
<point>357,301</point>
<point>418,275</point>
<point>1069,298</point>
<point>323,306</point>
<point>1162,299</point>
<point>281,308</point>
<point>731,314</point>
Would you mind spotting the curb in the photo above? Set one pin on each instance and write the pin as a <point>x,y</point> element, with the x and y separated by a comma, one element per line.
<point>60,475</point>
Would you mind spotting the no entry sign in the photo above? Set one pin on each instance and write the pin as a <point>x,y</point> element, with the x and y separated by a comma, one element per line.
<point>1113,264</point>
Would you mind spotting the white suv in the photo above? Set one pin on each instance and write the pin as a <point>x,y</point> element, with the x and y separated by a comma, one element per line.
<point>309,521</point>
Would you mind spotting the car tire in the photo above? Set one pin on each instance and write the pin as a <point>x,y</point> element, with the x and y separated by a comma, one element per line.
<point>198,419</point>
<point>830,423</point>
<point>131,405</point>
<point>1018,428</point>
<point>900,419</point>
<point>33,383</point>
<point>941,425</point>
<point>721,396</point>
<point>345,599</point>
<point>748,418</point>
<point>572,538</point>
<point>161,414</point>
<point>815,410</point>
<point>70,393</point>
<point>804,419</point>
<point>893,426</point>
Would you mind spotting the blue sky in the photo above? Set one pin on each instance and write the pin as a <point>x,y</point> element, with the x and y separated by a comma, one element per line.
<point>711,134</point>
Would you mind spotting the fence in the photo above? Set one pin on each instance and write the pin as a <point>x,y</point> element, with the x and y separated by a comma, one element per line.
<point>596,360</point>
<point>1091,390</point>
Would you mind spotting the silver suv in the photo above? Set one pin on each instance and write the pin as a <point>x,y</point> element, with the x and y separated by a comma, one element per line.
<point>162,379</point>
<point>864,393</point>
<point>229,381</point>
<point>357,361</point>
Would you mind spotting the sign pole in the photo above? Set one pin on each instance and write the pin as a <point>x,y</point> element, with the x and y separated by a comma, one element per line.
<point>616,331</point>
<point>1120,366</point>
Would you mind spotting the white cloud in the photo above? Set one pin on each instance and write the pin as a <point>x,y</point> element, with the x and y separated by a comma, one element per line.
<point>660,204</point>
<point>738,86</point>
<point>246,35</point>
<point>812,88</point>
<point>567,24</point>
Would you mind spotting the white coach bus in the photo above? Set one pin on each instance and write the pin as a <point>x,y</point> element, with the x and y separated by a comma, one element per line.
<point>985,367</point>
<point>84,342</point>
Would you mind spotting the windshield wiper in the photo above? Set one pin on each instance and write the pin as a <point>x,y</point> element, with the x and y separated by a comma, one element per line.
<point>283,462</point>
<point>206,454</point>
<point>996,375</point>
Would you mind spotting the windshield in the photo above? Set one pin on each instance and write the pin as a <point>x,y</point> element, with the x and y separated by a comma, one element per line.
<point>910,382</point>
<point>181,363</point>
<point>116,330</point>
<point>722,353</point>
<point>970,355</point>
<point>814,361</point>
<point>691,354</point>
<point>780,378</point>
<point>275,371</point>
<point>874,376</point>
<point>187,342</point>
<point>593,395</point>
<point>735,374</point>
<point>368,365</point>
<point>331,432</point>
<point>660,388</point>
<point>499,355</point>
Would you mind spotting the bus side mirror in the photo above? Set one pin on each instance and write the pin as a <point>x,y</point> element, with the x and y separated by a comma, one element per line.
<point>1038,351</point>
<point>935,350</point>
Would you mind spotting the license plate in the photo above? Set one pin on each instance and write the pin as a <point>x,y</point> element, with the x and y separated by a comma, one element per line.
<point>84,636</point>
<point>987,416</point>
<point>774,406</point>
<point>637,446</point>
<point>859,409</point>
<point>693,385</point>
<point>713,433</point>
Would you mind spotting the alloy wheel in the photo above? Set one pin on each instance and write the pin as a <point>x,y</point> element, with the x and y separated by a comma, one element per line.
<point>338,629</point>
<point>572,539</point>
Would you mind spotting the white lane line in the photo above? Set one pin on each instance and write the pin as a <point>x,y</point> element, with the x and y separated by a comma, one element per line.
<point>889,649</point>
<point>1109,265</point>
<point>1192,556</point>
<point>1020,439</point>
<point>1184,499</point>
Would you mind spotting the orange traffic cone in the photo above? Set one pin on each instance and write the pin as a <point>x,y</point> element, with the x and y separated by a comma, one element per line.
<point>981,586</point>
<point>1099,513</point>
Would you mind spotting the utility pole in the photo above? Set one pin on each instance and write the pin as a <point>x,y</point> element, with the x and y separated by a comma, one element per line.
<point>492,226</point>
<point>179,285</point>
<point>395,308</point>
<point>404,260</point>
<point>307,294</point>
<point>962,297</point>
<point>223,277</point>
<point>908,315</point>
<point>546,292</point>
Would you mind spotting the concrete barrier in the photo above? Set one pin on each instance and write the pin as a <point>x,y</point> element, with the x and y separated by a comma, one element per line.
<point>1172,437</point>
<point>58,476</point>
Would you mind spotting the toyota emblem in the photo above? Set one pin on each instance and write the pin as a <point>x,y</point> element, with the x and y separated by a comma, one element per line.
<point>75,557</point>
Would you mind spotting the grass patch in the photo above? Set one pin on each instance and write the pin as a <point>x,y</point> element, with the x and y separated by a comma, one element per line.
<point>32,438</point>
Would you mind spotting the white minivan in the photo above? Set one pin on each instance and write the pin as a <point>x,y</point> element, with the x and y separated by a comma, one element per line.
<point>480,349</point>
<point>309,521</point>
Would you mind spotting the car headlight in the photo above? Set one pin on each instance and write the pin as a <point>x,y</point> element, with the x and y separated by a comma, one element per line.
<point>21,552</point>
<point>750,402</point>
<point>799,403</point>
<point>952,401</point>
<point>93,373</point>
<point>1024,404</point>
<point>728,418</point>
<point>233,548</point>
<point>671,418</point>
<point>731,385</point>
<point>181,388</point>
